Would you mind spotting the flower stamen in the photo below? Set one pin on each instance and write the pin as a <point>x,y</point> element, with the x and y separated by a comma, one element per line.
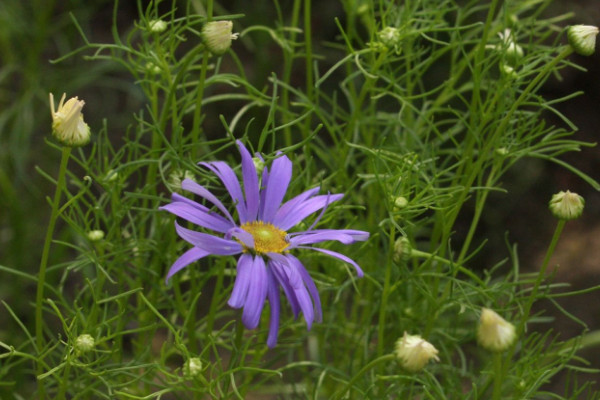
<point>267,237</point>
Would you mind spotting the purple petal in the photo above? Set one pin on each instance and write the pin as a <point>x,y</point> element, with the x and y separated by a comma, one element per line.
<point>250,183</point>
<point>186,259</point>
<point>304,209</point>
<point>293,277</point>
<point>273,296</point>
<point>191,186</point>
<point>310,285</point>
<point>276,186</point>
<point>281,277</point>
<point>246,238</point>
<point>242,281</point>
<point>257,293</point>
<point>230,181</point>
<point>342,257</point>
<point>292,203</point>
<point>209,243</point>
<point>310,238</point>
<point>197,214</point>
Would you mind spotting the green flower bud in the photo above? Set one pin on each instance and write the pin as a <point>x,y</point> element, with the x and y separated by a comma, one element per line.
<point>95,235</point>
<point>566,205</point>
<point>157,25</point>
<point>84,343</point>
<point>192,367</point>
<point>582,38</point>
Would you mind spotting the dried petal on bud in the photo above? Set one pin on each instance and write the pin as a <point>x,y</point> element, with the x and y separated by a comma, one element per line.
<point>582,38</point>
<point>95,235</point>
<point>192,367</point>
<point>217,36</point>
<point>413,352</point>
<point>566,205</point>
<point>84,343</point>
<point>157,25</point>
<point>68,126</point>
<point>494,332</point>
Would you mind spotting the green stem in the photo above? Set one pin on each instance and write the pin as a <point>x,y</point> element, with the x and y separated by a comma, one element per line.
<point>541,276</point>
<point>498,374</point>
<point>385,295</point>
<point>60,185</point>
<point>378,360</point>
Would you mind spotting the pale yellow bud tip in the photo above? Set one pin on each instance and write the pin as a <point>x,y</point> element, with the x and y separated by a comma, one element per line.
<point>68,126</point>
<point>413,352</point>
<point>84,343</point>
<point>494,332</point>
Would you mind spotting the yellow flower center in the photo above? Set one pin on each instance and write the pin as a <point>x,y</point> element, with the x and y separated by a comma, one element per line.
<point>267,237</point>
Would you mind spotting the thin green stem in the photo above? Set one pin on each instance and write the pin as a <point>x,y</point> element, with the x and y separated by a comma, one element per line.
<point>60,185</point>
<point>498,376</point>
<point>386,358</point>
<point>540,277</point>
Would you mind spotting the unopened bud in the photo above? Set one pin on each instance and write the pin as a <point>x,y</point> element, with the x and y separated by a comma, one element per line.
<point>494,332</point>
<point>582,38</point>
<point>217,36</point>
<point>566,205</point>
<point>414,352</point>
<point>68,126</point>
<point>84,343</point>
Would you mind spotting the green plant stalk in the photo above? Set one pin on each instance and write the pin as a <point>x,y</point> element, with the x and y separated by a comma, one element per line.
<point>39,339</point>
<point>385,294</point>
<point>378,360</point>
<point>540,278</point>
<point>498,376</point>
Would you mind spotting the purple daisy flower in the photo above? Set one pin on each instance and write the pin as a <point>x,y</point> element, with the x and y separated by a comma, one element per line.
<point>260,237</point>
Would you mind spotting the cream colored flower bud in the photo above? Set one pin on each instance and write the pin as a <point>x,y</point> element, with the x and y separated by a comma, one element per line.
<point>582,38</point>
<point>494,332</point>
<point>95,235</point>
<point>68,126</point>
<point>157,25</point>
<point>413,352</point>
<point>192,367</point>
<point>84,343</point>
<point>217,36</point>
<point>566,205</point>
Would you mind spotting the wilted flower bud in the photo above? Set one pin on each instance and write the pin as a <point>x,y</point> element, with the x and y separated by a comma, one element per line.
<point>566,205</point>
<point>95,235</point>
<point>217,36</point>
<point>414,352</point>
<point>157,25</point>
<point>582,38</point>
<point>192,367</point>
<point>84,343</point>
<point>494,332</point>
<point>68,126</point>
